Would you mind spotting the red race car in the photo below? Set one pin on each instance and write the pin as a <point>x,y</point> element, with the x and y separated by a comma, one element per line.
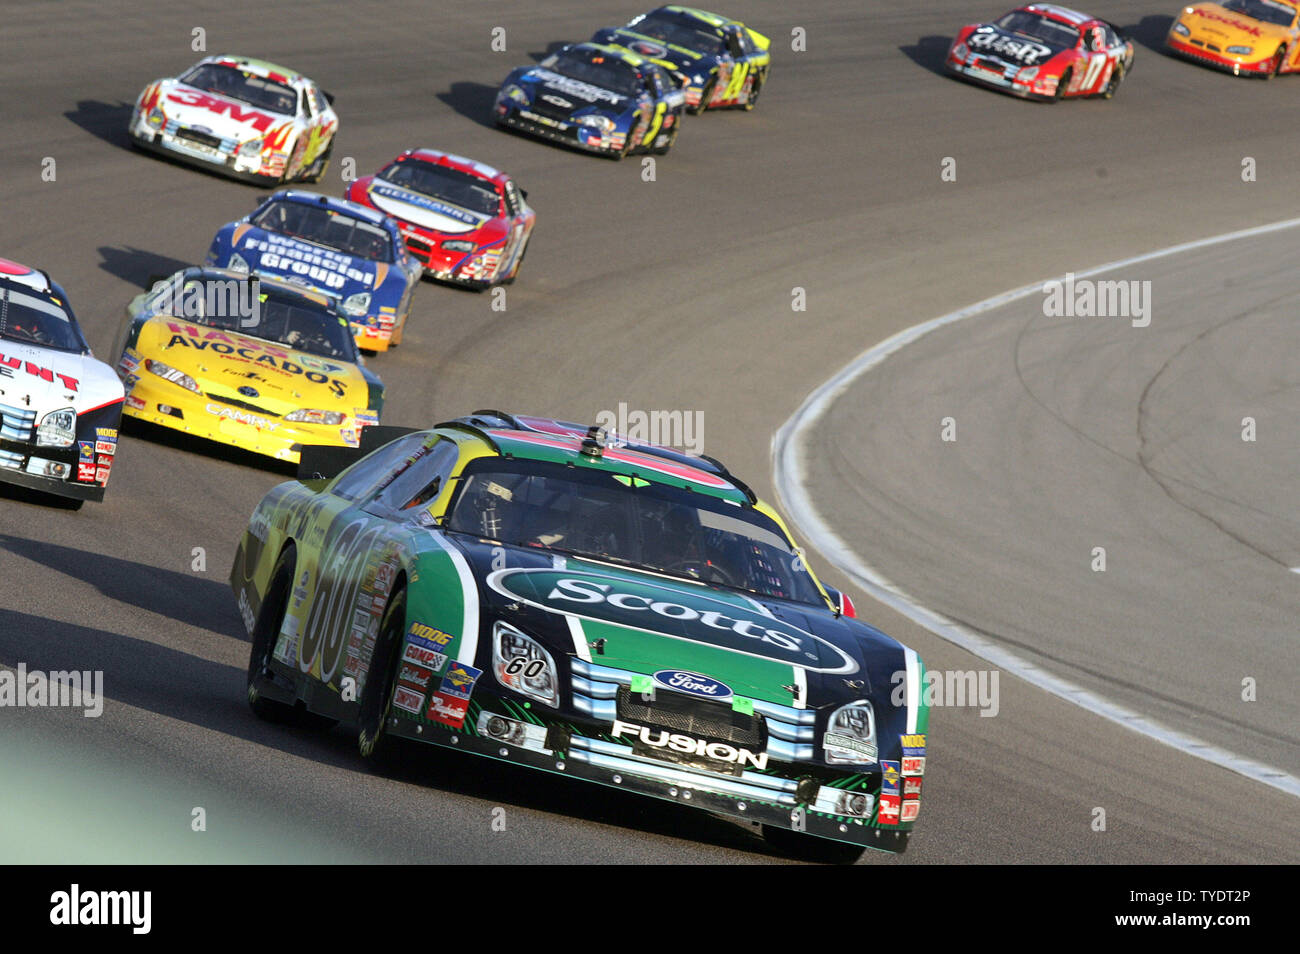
<point>1043,51</point>
<point>464,222</point>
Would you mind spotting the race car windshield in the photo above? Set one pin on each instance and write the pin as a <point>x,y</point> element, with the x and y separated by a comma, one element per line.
<point>321,226</point>
<point>36,321</point>
<point>275,316</point>
<point>628,520</point>
<point>1038,27</point>
<point>678,34</point>
<point>598,69</point>
<point>246,87</point>
<point>1277,13</point>
<point>450,185</point>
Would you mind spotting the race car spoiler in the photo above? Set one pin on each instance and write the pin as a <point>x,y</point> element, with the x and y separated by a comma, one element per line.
<point>326,461</point>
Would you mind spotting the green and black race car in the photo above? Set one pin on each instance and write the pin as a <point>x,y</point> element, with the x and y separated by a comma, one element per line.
<point>550,595</point>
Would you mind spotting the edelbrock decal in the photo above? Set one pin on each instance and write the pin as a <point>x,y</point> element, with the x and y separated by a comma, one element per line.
<point>669,611</point>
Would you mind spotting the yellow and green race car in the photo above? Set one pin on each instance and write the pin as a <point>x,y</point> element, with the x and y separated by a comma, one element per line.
<point>716,61</point>
<point>254,362</point>
<point>567,600</point>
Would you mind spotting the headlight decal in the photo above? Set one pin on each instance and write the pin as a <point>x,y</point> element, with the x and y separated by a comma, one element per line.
<point>851,735</point>
<point>57,428</point>
<point>522,664</point>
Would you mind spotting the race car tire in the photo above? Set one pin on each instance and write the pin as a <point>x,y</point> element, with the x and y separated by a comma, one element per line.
<point>375,745</point>
<point>804,847</point>
<point>672,139</point>
<point>1062,86</point>
<point>269,620</point>
<point>320,166</point>
<point>1279,58</point>
<point>1112,87</point>
<point>755,88</point>
<point>518,265</point>
<point>705,95</point>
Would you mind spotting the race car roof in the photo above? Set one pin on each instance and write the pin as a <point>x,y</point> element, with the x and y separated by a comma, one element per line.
<point>548,439</point>
<point>345,206</point>
<point>715,20</point>
<point>33,278</point>
<point>617,52</point>
<point>1057,12</point>
<point>271,71</point>
<point>459,163</point>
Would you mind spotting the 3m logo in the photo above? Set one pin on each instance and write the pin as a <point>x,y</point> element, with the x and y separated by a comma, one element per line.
<point>240,114</point>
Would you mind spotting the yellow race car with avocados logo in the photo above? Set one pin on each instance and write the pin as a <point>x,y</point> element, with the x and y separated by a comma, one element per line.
<point>1254,37</point>
<point>254,362</point>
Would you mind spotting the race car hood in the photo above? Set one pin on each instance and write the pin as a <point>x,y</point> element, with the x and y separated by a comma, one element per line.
<point>215,114</point>
<point>677,57</point>
<point>253,371</point>
<point>327,271</point>
<point>426,211</point>
<point>1223,27</point>
<point>648,623</point>
<point>988,40</point>
<point>44,380</point>
<point>575,93</point>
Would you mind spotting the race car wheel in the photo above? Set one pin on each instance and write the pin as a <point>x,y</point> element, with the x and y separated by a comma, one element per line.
<point>1062,86</point>
<point>269,620</point>
<point>1279,58</point>
<point>755,88</point>
<point>796,844</point>
<point>672,138</point>
<point>706,94</point>
<point>320,166</point>
<point>1112,87</point>
<point>375,745</point>
<point>518,265</point>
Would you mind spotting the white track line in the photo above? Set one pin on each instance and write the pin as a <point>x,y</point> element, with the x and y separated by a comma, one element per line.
<point>790,481</point>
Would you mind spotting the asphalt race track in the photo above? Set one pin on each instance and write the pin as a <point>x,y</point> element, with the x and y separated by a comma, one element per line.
<point>677,293</point>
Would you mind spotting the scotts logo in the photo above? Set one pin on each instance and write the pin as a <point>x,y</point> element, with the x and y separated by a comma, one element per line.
<point>689,745</point>
<point>693,683</point>
<point>680,613</point>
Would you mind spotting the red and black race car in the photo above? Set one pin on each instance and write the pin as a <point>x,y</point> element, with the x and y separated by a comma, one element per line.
<point>463,221</point>
<point>1043,51</point>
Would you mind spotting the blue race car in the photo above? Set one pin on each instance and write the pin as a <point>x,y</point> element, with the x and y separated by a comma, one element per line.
<point>342,249</point>
<point>601,99</point>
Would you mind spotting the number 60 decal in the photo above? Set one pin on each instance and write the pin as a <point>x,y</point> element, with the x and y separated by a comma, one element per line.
<point>529,667</point>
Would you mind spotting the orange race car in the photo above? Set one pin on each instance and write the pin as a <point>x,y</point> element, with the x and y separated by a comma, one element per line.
<point>1255,37</point>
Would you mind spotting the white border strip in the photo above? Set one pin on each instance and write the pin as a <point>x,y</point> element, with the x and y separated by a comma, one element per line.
<point>789,476</point>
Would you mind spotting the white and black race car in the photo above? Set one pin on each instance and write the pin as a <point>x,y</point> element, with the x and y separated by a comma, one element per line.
<point>59,405</point>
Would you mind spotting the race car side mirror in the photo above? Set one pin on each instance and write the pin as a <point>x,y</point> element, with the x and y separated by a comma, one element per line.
<point>524,193</point>
<point>329,97</point>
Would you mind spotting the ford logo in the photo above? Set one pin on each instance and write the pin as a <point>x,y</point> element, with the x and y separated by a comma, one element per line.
<point>558,101</point>
<point>248,392</point>
<point>693,683</point>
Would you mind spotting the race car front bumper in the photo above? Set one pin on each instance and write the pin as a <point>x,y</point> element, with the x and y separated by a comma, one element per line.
<point>569,134</point>
<point>1041,89</point>
<point>173,147</point>
<point>1226,62</point>
<point>795,804</point>
<point>209,418</point>
<point>55,486</point>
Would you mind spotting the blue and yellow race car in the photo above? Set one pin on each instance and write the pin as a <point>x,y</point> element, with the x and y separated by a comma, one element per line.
<point>600,99</point>
<point>718,62</point>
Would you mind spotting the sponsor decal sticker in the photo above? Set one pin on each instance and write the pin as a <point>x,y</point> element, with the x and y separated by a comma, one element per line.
<point>422,656</point>
<point>688,744</point>
<point>911,786</point>
<point>459,680</point>
<point>415,676</point>
<point>86,451</point>
<point>889,806</point>
<point>448,710</point>
<point>913,765</point>
<point>106,448</point>
<point>406,699</point>
<point>889,775</point>
<point>911,808</point>
<point>428,637</point>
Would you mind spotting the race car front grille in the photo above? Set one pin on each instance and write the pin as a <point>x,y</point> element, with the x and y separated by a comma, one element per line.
<point>16,424</point>
<point>701,718</point>
<point>10,460</point>
<point>244,404</point>
<point>203,139</point>
<point>551,111</point>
